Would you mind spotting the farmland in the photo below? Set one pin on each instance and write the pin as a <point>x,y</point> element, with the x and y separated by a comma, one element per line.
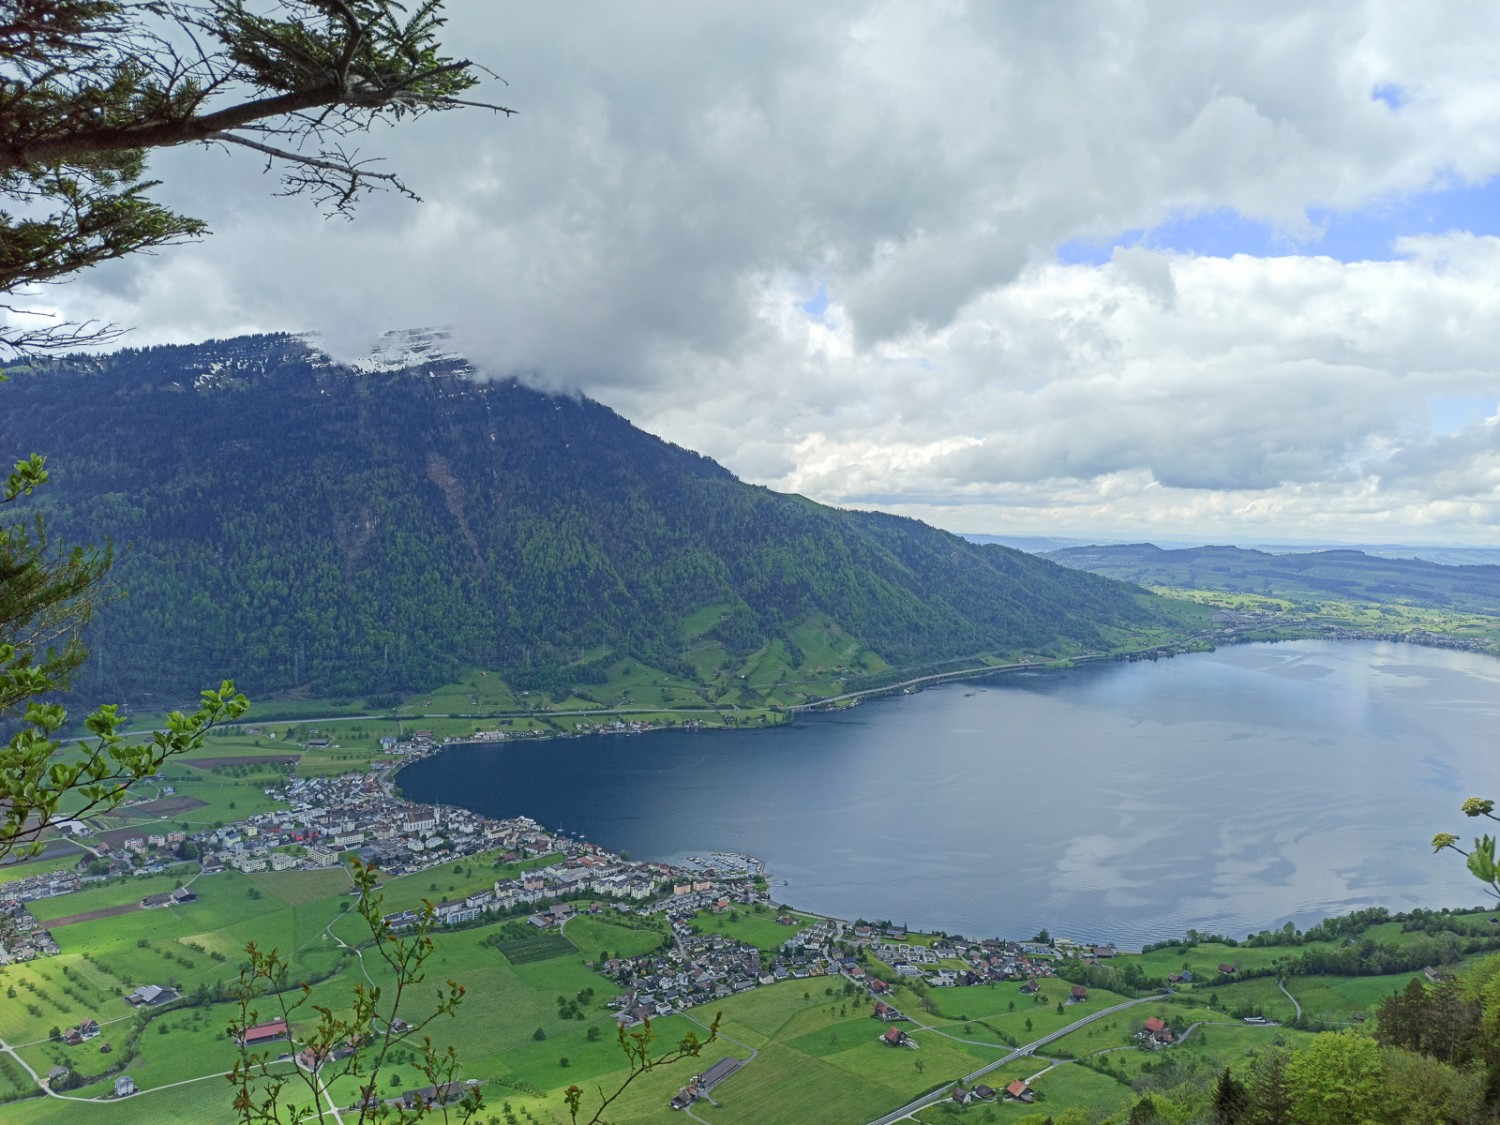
<point>809,1041</point>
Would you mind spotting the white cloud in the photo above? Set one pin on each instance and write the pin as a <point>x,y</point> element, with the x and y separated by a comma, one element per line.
<point>679,179</point>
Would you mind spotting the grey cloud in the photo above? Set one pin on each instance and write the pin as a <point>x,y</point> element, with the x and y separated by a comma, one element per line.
<point>678,175</point>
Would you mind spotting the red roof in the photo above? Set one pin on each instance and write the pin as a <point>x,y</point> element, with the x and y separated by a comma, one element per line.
<point>261,1031</point>
<point>1154,1025</point>
<point>1017,1088</point>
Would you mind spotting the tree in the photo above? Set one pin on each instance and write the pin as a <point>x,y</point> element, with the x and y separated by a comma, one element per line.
<point>1418,1088</point>
<point>92,85</point>
<point>87,88</point>
<point>1336,1079</point>
<point>1270,1094</point>
<point>1231,1100</point>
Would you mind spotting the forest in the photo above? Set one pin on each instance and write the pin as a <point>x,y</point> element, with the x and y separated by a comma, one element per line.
<point>302,525</point>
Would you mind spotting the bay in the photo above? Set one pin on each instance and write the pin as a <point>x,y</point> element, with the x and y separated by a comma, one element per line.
<point>1227,792</point>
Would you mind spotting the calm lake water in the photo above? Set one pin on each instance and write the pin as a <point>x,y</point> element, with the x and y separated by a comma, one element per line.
<point>1225,791</point>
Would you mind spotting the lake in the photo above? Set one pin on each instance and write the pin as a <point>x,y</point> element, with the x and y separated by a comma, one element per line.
<point>1227,792</point>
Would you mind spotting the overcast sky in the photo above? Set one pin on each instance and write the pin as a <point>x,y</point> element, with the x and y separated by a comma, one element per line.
<point>1166,270</point>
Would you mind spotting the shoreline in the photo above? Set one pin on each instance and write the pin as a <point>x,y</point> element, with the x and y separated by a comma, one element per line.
<point>836,894</point>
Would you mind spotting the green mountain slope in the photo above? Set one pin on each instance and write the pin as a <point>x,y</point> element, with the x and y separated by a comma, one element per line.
<point>300,525</point>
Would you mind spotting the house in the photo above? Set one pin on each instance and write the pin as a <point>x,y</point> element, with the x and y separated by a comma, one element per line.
<point>1030,987</point>
<point>1019,1091</point>
<point>1078,993</point>
<point>985,1093</point>
<point>150,994</point>
<point>124,1086</point>
<point>89,1028</point>
<point>1156,1032</point>
<point>1228,970</point>
<point>895,1037</point>
<point>263,1033</point>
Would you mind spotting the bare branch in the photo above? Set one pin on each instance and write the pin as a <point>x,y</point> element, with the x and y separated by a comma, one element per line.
<point>336,182</point>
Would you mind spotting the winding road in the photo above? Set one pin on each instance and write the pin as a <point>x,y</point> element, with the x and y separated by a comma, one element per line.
<point>1289,996</point>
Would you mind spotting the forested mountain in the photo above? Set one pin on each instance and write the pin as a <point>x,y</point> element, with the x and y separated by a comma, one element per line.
<point>294,523</point>
<point>1346,574</point>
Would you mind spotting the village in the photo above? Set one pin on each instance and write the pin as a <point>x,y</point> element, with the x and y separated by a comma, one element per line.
<point>319,823</point>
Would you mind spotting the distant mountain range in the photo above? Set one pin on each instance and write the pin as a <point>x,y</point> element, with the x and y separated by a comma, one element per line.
<point>1446,554</point>
<point>1346,574</point>
<point>302,525</point>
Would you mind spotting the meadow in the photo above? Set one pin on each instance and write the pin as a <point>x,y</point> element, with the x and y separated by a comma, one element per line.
<point>535,1016</point>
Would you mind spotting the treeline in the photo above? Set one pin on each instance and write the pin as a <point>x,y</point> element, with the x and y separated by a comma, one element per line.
<point>300,526</point>
<point>1339,946</point>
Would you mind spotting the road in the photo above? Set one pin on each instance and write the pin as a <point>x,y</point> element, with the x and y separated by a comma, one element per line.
<point>1290,997</point>
<point>7,1049</point>
<point>1020,1052</point>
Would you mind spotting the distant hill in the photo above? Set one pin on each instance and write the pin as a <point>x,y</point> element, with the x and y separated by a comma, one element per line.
<point>1345,574</point>
<point>301,525</point>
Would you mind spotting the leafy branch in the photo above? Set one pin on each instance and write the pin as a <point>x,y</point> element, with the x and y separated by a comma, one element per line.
<point>357,1043</point>
<point>637,1047</point>
<point>98,777</point>
<point>1481,861</point>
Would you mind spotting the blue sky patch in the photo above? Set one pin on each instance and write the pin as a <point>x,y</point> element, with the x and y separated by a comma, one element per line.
<point>1368,234</point>
<point>817,305</point>
<point>1451,413</point>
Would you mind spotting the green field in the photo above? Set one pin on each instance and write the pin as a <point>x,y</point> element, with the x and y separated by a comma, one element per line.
<point>535,1016</point>
<point>757,927</point>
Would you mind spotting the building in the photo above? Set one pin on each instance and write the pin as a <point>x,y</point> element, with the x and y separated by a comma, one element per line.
<point>150,995</point>
<point>263,1033</point>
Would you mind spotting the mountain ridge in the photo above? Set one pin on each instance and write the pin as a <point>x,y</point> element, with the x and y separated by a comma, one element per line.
<point>301,524</point>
